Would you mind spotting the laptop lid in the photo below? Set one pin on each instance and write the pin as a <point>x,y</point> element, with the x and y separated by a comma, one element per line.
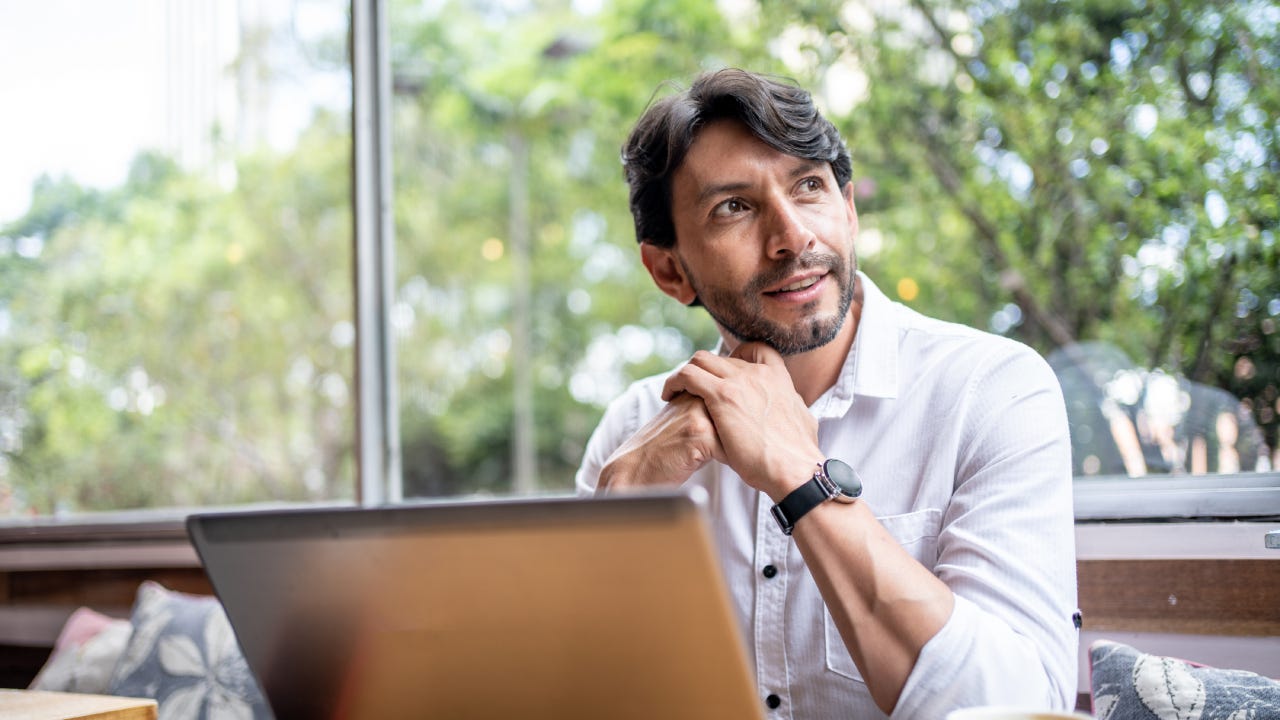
<point>514,608</point>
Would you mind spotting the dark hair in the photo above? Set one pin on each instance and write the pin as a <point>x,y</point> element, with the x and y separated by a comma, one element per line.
<point>780,114</point>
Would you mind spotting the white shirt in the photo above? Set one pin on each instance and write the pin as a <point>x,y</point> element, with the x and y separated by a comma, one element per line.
<point>961,441</point>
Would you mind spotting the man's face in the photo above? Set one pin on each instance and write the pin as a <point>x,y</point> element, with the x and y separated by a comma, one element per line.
<point>764,240</point>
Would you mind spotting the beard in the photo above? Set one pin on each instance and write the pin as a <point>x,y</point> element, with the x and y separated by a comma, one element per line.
<point>741,312</point>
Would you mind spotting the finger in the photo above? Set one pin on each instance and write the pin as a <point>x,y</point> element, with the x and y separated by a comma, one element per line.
<point>702,378</point>
<point>674,386</point>
<point>757,352</point>
<point>718,453</point>
<point>717,365</point>
<point>692,377</point>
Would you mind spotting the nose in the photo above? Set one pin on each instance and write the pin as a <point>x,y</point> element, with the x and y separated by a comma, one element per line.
<point>788,235</point>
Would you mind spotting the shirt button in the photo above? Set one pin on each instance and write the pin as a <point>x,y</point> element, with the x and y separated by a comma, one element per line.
<point>773,701</point>
<point>769,571</point>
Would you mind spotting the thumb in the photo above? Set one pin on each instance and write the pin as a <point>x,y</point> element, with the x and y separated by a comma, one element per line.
<point>757,352</point>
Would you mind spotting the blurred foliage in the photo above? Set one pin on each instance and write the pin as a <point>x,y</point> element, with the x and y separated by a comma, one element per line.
<point>1099,172</point>
<point>169,341</point>
<point>1086,171</point>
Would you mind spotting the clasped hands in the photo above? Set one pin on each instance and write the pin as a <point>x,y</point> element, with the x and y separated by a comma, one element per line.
<point>742,410</point>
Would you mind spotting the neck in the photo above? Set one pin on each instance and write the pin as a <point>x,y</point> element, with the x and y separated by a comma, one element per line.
<point>814,372</point>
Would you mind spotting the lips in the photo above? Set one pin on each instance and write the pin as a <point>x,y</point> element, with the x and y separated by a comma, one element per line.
<point>802,284</point>
<point>797,285</point>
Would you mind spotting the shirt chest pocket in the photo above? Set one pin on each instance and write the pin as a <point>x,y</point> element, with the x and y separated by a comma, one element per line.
<point>917,533</point>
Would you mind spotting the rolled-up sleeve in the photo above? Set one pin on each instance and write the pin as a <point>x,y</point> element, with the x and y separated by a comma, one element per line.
<point>1007,551</point>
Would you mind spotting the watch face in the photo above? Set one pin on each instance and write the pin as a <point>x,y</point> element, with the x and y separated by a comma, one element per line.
<point>844,477</point>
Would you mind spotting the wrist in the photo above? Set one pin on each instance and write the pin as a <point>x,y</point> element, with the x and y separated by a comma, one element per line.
<point>791,474</point>
<point>833,479</point>
<point>780,490</point>
<point>615,473</point>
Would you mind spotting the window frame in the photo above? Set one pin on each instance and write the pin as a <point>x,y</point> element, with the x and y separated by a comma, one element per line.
<point>1213,497</point>
<point>378,454</point>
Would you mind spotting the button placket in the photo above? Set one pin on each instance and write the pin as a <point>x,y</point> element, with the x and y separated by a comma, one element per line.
<point>772,548</point>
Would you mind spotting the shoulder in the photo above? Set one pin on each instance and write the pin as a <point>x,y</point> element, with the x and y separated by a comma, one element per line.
<point>966,352</point>
<point>923,339</point>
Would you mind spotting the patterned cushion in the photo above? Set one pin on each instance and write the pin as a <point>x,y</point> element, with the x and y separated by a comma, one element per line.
<point>85,654</point>
<point>184,654</point>
<point>1131,685</point>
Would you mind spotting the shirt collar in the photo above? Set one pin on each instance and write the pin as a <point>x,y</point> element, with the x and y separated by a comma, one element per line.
<point>871,368</point>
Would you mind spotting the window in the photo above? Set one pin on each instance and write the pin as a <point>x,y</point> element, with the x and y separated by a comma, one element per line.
<point>175,232</point>
<point>521,306</point>
<point>1098,182</point>
<point>1028,155</point>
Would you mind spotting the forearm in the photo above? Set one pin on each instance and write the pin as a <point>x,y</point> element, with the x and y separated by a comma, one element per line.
<point>977,658</point>
<point>886,605</point>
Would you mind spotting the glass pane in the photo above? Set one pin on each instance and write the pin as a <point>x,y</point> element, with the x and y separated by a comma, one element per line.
<point>1092,180</point>
<point>522,306</point>
<point>175,243</point>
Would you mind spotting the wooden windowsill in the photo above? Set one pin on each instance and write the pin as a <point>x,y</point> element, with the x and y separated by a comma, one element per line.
<point>115,540</point>
<point>87,545</point>
<point>1221,540</point>
<point>159,540</point>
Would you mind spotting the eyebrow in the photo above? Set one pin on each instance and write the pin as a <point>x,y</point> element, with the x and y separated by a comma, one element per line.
<point>804,167</point>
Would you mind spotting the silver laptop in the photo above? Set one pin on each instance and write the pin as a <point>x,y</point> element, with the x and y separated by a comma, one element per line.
<point>516,608</point>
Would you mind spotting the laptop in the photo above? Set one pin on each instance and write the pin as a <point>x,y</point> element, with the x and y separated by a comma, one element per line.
<point>513,608</point>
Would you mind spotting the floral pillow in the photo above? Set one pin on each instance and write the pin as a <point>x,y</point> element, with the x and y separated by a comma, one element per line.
<point>85,654</point>
<point>184,654</point>
<point>1131,685</point>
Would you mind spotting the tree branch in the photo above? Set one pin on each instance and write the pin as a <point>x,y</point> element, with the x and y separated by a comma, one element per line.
<point>942,32</point>
<point>989,238</point>
<point>1200,366</point>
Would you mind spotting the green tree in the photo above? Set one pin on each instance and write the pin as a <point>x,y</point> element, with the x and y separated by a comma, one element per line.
<point>1088,171</point>
<point>172,341</point>
<point>1064,173</point>
<point>545,118</point>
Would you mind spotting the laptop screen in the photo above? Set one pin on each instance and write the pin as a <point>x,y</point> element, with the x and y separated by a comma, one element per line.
<point>522,608</point>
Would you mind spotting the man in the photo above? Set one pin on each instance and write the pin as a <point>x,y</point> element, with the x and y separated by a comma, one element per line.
<point>950,580</point>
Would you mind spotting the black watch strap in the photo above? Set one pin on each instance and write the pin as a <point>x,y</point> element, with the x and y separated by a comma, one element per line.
<point>800,501</point>
<point>834,479</point>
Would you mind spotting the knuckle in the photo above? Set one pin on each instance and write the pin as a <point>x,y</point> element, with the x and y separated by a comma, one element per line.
<point>699,426</point>
<point>698,456</point>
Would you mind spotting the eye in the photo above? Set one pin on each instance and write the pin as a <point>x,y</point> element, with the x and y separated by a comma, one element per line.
<point>729,207</point>
<point>811,185</point>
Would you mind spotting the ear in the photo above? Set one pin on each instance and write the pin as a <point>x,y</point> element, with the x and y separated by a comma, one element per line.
<point>847,191</point>
<point>667,272</point>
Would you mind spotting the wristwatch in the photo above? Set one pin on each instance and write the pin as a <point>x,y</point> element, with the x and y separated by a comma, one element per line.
<point>834,480</point>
